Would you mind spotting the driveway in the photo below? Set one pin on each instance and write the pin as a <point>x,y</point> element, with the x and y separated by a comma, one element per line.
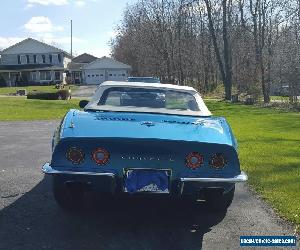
<point>84,91</point>
<point>30,218</point>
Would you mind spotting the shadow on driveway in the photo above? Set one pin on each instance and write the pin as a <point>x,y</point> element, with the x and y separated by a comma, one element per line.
<point>34,221</point>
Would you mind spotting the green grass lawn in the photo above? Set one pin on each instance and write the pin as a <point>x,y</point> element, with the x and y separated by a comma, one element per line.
<point>269,144</point>
<point>269,150</point>
<point>19,108</point>
<point>280,98</point>
<point>13,90</point>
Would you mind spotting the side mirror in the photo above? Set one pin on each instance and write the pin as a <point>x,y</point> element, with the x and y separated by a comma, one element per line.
<point>83,103</point>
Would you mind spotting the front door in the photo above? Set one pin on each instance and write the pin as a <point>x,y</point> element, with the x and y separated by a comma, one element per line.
<point>15,79</point>
<point>77,77</point>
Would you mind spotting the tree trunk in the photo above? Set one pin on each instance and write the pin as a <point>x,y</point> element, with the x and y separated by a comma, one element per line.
<point>226,72</point>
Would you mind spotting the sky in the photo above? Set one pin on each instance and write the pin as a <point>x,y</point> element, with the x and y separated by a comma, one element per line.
<point>94,23</point>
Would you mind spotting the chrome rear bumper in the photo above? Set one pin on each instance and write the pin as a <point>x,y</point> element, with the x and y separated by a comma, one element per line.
<point>242,177</point>
<point>47,169</point>
<point>184,182</point>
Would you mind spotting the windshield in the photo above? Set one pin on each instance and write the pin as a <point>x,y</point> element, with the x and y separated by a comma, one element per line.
<point>148,98</point>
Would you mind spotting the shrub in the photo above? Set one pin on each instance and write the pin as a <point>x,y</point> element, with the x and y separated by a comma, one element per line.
<point>254,91</point>
<point>42,95</point>
<point>59,95</point>
<point>249,100</point>
<point>2,81</point>
<point>63,94</point>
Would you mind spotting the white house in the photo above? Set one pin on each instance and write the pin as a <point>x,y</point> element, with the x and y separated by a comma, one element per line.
<point>31,61</point>
<point>104,69</point>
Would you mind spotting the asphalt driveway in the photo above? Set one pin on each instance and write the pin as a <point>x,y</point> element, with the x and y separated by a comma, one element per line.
<point>30,219</point>
<point>84,91</point>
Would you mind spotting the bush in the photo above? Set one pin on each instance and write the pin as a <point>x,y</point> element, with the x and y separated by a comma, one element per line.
<point>254,91</point>
<point>2,82</point>
<point>63,94</point>
<point>249,100</point>
<point>59,95</point>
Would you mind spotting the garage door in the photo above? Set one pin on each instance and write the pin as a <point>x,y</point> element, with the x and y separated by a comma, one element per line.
<point>94,76</point>
<point>117,75</point>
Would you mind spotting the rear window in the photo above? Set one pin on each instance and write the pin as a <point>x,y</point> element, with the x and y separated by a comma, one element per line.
<point>149,98</point>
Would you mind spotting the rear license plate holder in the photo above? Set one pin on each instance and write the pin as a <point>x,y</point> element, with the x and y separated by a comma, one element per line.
<point>147,181</point>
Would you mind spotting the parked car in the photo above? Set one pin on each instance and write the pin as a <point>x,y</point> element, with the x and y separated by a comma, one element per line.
<point>174,147</point>
<point>143,79</point>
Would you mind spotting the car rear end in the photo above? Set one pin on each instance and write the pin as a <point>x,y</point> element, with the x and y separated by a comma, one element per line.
<point>124,165</point>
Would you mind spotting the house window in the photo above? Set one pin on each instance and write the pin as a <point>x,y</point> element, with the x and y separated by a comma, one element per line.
<point>57,76</point>
<point>44,58</point>
<point>23,59</point>
<point>59,58</point>
<point>101,75</point>
<point>45,76</point>
<point>89,75</point>
<point>123,74</point>
<point>34,76</point>
<point>97,75</point>
<point>34,58</point>
<point>110,74</point>
<point>54,58</point>
<point>27,59</point>
<point>50,58</point>
<point>93,75</point>
<point>19,59</point>
<point>39,58</point>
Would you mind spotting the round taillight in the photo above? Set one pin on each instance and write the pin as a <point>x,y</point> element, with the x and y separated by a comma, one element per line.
<point>218,161</point>
<point>75,155</point>
<point>100,156</point>
<point>194,160</point>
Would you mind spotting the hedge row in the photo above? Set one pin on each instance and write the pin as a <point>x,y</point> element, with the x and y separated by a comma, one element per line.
<point>59,95</point>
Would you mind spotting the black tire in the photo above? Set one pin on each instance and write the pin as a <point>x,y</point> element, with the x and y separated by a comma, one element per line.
<point>67,198</point>
<point>217,201</point>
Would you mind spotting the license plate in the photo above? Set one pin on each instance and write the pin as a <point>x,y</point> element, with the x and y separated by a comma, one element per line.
<point>147,181</point>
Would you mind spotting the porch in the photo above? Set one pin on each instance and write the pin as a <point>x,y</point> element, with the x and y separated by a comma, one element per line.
<point>23,77</point>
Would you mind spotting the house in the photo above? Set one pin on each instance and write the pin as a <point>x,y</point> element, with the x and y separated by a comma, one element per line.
<point>88,70</point>
<point>33,62</point>
<point>75,67</point>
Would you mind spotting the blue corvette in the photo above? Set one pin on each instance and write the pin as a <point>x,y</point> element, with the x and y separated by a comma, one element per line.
<point>148,138</point>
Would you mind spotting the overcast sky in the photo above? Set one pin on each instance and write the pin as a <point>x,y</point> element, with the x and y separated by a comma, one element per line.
<point>94,22</point>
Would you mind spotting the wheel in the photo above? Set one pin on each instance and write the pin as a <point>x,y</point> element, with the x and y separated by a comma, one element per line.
<point>217,201</point>
<point>68,198</point>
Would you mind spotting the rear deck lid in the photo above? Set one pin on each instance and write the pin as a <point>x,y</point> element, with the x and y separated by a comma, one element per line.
<point>148,126</point>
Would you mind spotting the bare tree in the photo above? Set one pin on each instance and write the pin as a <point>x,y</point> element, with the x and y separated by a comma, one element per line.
<point>252,45</point>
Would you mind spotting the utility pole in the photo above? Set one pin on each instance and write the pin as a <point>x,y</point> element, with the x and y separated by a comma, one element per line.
<point>71,38</point>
